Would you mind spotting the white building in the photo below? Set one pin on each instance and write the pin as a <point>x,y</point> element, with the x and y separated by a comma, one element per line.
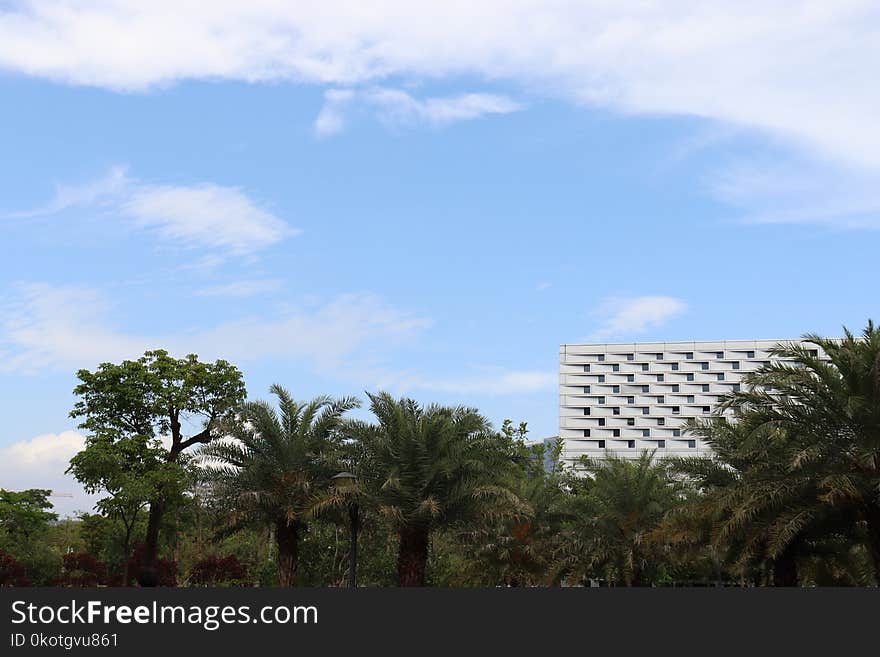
<point>626,398</point>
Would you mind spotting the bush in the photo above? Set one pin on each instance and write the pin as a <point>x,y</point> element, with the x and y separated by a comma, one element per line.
<point>11,572</point>
<point>215,571</point>
<point>83,570</point>
<point>166,569</point>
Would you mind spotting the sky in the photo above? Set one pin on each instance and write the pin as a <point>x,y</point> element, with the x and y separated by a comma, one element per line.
<point>424,198</point>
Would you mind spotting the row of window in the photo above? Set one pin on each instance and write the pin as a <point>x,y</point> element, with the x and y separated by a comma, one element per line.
<point>688,355</point>
<point>703,366</point>
<point>631,444</point>
<point>704,387</point>
<point>646,433</point>
<point>690,399</point>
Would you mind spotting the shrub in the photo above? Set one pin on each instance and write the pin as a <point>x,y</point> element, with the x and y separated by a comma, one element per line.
<point>11,572</point>
<point>216,571</point>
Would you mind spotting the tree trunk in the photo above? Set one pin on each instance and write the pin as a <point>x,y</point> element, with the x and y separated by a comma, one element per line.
<point>785,568</point>
<point>147,575</point>
<point>287,539</point>
<point>412,557</point>
<point>872,519</point>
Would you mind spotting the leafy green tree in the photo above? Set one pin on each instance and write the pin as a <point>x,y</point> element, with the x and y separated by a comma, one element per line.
<point>153,397</point>
<point>425,469</point>
<point>612,516</point>
<point>275,464</point>
<point>134,471</point>
<point>825,416</point>
<point>25,521</point>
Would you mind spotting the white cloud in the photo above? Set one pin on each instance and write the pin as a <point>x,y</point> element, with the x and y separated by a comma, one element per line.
<point>632,316</point>
<point>205,215</point>
<point>40,462</point>
<point>805,191</point>
<point>398,108</point>
<point>802,69</point>
<point>496,382</point>
<point>245,288</point>
<point>45,327</point>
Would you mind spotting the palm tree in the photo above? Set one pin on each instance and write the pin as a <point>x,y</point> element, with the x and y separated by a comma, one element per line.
<point>274,464</point>
<point>613,513</point>
<point>829,413</point>
<point>427,468</point>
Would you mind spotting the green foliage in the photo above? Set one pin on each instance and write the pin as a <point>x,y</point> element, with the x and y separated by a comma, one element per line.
<point>24,526</point>
<point>274,464</point>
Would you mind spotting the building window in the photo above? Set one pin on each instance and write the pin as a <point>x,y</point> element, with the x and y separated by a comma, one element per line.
<point>630,378</point>
<point>690,377</point>
<point>661,399</point>
<point>737,387</point>
<point>644,367</point>
<point>615,368</point>
<point>645,389</point>
<point>615,410</point>
<point>630,400</point>
<point>631,444</point>
<point>750,354</point>
<point>586,411</point>
<point>736,365</point>
<point>676,410</point>
<point>660,377</point>
<point>675,388</point>
<point>601,444</point>
<point>661,422</point>
<point>689,355</point>
<point>586,390</point>
<point>601,358</point>
<point>645,410</point>
<point>646,433</point>
<point>720,354</point>
<point>705,387</point>
<point>691,399</point>
<point>615,389</point>
<point>676,433</point>
<point>814,353</point>
<point>692,444</point>
<point>586,433</point>
<point>601,378</point>
<point>601,400</point>
<point>630,356</point>
<point>616,433</point>
<point>659,356</point>
<point>705,366</point>
<point>661,444</point>
<point>706,409</point>
<point>630,422</point>
<point>586,368</point>
<point>675,367</point>
<point>720,376</point>
<point>601,421</point>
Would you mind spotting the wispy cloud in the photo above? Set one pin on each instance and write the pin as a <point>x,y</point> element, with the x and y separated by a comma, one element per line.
<point>800,70</point>
<point>204,215</point>
<point>395,107</point>
<point>66,327</point>
<point>40,462</point>
<point>493,382</point>
<point>245,288</point>
<point>625,317</point>
<point>803,191</point>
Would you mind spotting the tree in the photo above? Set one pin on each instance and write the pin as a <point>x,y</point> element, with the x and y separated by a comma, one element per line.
<point>828,414</point>
<point>134,471</point>
<point>274,465</point>
<point>157,396</point>
<point>427,468</point>
<point>611,518</point>
<point>25,521</point>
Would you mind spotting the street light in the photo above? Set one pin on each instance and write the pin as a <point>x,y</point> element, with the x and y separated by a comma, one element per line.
<point>346,481</point>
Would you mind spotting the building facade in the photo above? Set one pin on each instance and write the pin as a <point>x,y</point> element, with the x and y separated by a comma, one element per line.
<point>626,398</point>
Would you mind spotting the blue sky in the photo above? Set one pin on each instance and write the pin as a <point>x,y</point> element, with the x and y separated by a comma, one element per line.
<point>353,208</point>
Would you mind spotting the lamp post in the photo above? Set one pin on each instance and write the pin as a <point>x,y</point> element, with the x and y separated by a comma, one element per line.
<point>344,481</point>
